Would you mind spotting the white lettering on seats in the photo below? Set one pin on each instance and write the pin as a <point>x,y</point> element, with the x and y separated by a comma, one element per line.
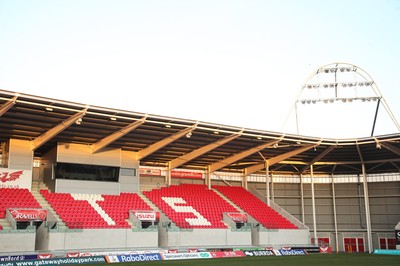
<point>91,199</point>
<point>172,201</point>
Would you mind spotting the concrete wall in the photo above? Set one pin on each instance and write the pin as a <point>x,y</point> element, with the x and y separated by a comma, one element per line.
<point>17,241</point>
<point>87,187</point>
<point>281,237</point>
<point>20,156</point>
<point>206,238</point>
<point>95,239</point>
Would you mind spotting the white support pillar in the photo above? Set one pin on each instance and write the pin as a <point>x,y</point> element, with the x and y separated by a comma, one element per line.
<point>302,200</point>
<point>168,176</point>
<point>334,213</point>
<point>313,206</point>
<point>244,181</point>
<point>272,188</point>
<point>267,183</point>
<point>367,212</point>
<point>208,177</point>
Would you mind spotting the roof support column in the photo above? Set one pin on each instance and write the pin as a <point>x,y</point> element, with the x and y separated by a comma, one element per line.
<point>334,213</point>
<point>367,212</point>
<point>208,177</point>
<point>313,204</point>
<point>168,175</point>
<point>244,181</point>
<point>272,187</point>
<point>302,199</point>
<point>267,182</point>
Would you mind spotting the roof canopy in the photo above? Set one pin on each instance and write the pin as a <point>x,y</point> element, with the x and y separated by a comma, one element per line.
<point>181,143</point>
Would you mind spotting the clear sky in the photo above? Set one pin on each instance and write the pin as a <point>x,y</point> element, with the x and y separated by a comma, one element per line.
<point>232,62</point>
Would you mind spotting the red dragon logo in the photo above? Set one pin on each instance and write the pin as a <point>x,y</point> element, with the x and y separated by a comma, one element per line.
<point>5,177</point>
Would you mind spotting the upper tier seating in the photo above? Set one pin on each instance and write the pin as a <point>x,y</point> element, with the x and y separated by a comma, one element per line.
<point>95,210</point>
<point>191,206</point>
<point>16,198</point>
<point>260,211</point>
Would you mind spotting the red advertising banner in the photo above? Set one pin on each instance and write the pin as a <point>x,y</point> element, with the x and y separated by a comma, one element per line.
<point>238,217</point>
<point>147,216</point>
<point>186,174</point>
<point>26,215</point>
<point>149,172</point>
<point>228,254</point>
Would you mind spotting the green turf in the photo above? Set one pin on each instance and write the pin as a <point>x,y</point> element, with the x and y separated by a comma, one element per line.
<point>316,259</point>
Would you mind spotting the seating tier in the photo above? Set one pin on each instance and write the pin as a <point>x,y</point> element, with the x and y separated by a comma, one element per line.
<point>260,211</point>
<point>94,210</point>
<point>191,206</point>
<point>16,198</point>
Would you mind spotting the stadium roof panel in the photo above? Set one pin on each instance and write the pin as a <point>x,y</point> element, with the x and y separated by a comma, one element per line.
<point>190,144</point>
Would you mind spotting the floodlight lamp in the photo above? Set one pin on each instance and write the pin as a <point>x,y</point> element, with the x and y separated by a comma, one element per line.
<point>315,86</point>
<point>331,100</point>
<point>348,69</point>
<point>303,101</point>
<point>309,86</point>
<point>49,109</point>
<point>78,121</point>
<point>333,70</point>
<point>326,70</point>
<point>314,101</point>
<point>360,83</point>
<point>188,135</point>
<point>342,69</point>
<point>326,86</point>
<point>344,85</point>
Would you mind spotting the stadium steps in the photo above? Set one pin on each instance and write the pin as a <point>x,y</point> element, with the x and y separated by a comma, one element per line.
<point>36,187</point>
<point>228,200</point>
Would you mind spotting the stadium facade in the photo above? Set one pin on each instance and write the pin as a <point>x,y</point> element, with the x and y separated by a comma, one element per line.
<point>81,163</point>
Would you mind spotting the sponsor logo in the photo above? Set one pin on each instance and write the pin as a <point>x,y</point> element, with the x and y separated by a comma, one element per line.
<point>259,253</point>
<point>238,217</point>
<point>227,254</point>
<point>44,256</point>
<point>192,250</point>
<point>146,216</point>
<point>150,172</point>
<point>18,257</point>
<point>29,214</point>
<point>186,174</point>
<point>186,256</point>
<point>397,237</point>
<point>292,252</point>
<point>139,257</point>
<point>6,176</point>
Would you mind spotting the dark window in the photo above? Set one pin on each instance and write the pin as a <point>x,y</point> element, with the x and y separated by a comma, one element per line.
<point>86,172</point>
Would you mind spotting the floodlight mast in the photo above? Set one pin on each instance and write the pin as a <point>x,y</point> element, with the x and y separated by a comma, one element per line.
<point>361,79</point>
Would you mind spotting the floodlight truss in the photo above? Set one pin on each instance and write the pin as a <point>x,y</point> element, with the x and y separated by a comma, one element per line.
<point>338,78</point>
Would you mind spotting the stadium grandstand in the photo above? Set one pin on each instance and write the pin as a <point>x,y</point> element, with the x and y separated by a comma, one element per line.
<point>80,177</point>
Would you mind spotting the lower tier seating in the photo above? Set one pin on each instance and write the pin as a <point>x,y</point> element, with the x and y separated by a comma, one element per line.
<point>95,210</point>
<point>260,211</point>
<point>191,206</point>
<point>16,198</point>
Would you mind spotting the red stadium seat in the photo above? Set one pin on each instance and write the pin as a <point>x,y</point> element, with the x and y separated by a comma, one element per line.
<point>111,212</point>
<point>191,206</point>
<point>260,211</point>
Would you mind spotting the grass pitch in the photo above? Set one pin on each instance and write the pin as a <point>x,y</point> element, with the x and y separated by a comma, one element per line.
<point>342,259</point>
